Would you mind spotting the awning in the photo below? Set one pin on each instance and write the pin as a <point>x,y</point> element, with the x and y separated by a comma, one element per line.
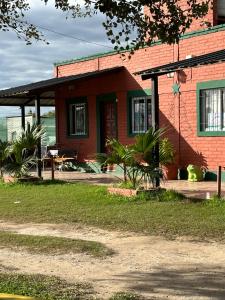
<point>206,59</point>
<point>25,94</point>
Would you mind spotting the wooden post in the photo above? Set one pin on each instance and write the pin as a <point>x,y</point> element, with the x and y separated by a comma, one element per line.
<point>53,167</point>
<point>219,182</point>
<point>38,122</point>
<point>155,120</point>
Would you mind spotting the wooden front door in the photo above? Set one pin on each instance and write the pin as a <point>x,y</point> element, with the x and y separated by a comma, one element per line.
<point>108,123</point>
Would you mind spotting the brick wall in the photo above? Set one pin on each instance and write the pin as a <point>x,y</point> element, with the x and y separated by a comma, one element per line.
<point>211,17</point>
<point>91,88</point>
<point>177,111</point>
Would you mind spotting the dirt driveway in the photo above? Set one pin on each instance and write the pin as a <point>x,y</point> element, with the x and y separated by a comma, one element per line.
<point>152,266</point>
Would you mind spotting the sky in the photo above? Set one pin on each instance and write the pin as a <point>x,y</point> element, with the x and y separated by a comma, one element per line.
<point>22,64</point>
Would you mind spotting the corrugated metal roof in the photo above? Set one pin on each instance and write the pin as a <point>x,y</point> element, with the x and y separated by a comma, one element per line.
<point>205,59</point>
<point>21,94</point>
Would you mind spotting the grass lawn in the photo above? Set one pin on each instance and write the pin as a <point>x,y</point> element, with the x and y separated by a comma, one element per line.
<point>43,287</point>
<point>91,205</point>
<point>52,245</point>
<point>51,288</point>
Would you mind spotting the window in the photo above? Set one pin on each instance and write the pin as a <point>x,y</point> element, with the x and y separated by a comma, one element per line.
<point>220,5</point>
<point>141,114</point>
<point>212,110</point>
<point>78,119</point>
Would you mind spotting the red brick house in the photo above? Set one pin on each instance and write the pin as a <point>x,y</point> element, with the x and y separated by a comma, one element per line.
<point>104,97</point>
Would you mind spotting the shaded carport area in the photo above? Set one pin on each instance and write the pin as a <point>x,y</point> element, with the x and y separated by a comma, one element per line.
<point>154,73</point>
<point>42,94</point>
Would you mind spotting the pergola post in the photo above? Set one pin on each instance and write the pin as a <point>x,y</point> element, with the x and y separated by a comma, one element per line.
<point>23,116</point>
<point>38,122</point>
<point>155,120</point>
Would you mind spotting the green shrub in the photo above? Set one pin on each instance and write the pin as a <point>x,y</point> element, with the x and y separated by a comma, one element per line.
<point>126,185</point>
<point>161,195</point>
<point>21,155</point>
<point>138,160</point>
<point>172,195</point>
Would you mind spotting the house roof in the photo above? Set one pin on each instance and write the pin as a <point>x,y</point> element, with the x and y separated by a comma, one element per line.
<point>25,94</point>
<point>205,59</point>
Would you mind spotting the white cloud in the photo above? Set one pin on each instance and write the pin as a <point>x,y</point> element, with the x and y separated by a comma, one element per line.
<point>21,64</point>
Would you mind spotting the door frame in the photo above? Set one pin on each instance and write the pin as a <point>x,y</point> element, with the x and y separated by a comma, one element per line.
<point>111,97</point>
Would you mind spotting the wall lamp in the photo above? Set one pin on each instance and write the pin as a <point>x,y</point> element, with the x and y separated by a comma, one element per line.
<point>170,75</point>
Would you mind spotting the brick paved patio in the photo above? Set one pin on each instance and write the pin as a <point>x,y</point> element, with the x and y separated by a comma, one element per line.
<point>200,190</point>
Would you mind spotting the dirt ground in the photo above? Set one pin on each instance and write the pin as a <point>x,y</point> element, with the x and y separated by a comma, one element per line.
<point>152,266</point>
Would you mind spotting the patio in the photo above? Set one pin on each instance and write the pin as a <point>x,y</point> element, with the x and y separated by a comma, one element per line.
<point>203,189</point>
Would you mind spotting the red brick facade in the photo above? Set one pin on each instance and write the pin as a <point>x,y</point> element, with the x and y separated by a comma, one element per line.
<point>178,112</point>
<point>200,23</point>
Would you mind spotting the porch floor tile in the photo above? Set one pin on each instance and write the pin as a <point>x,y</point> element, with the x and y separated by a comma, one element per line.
<point>202,190</point>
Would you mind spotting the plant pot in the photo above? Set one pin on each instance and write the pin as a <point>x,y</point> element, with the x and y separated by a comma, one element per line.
<point>111,168</point>
<point>122,192</point>
<point>9,179</point>
<point>170,172</point>
<point>131,192</point>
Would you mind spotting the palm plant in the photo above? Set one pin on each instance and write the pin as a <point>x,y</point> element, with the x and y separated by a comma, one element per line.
<point>144,148</point>
<point>3,155</point>
<point>101,158</point>
<point>19,163</point>
<point>145,144</point>
<point>137,160</point>
<point>166,152</point>
<point>123,156</point>
<point>22,152</point>
<point>28,139</point>
<point>119,154</point>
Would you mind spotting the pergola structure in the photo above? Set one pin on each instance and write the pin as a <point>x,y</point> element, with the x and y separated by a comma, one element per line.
<point>154,73</point>
<point>42,93</point>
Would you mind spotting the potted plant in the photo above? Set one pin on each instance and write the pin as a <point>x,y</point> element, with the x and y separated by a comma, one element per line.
<point>21,155</point>
<point>167,160</point>
<point>137,160</point>
<point>3,156</point>
<point>101,158</point>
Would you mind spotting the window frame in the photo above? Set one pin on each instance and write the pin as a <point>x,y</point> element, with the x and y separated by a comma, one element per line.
<point>208,85</point>
<point>77,101</point>
<point>220,20</point>
<point>131,95</point>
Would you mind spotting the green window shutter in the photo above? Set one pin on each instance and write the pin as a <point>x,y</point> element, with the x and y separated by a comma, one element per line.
<point>131,95</point>
<point>211,108</point>
<point>77,117</point>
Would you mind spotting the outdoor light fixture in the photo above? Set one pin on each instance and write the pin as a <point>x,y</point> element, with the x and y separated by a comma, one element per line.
<point>170,75</point>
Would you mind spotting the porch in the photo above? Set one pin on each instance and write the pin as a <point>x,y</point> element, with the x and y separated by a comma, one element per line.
<point>45,94</point>
<point>200,190</point>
